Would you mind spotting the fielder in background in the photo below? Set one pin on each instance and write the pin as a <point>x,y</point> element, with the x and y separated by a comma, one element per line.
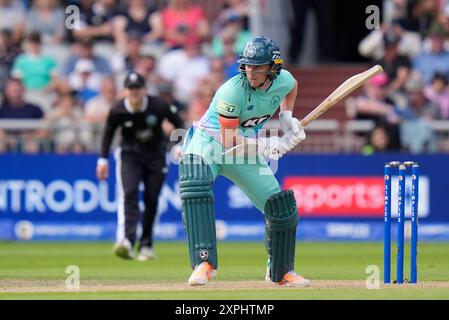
<point>222,143</point>
<point>140,158</point>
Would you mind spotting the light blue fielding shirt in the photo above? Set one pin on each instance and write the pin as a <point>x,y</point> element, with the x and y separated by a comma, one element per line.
<point>235,98</point>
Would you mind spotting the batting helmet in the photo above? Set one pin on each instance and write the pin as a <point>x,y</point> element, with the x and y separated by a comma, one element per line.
<point>260,51</point>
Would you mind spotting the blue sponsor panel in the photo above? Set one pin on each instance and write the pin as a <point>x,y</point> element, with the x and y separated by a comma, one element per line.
<point>340,197</point>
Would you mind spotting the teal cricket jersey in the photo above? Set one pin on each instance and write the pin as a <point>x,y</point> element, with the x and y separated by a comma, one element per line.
<point>254,107</point>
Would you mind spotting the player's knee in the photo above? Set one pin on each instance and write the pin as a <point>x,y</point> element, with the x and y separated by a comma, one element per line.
<point>281,212</point>
<point>195,177</point>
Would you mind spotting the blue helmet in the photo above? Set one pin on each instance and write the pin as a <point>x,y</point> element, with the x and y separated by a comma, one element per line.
<point>260,51</point>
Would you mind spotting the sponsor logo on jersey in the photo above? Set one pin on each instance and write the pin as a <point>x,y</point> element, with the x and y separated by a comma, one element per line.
<point>254,121</point>
<point>226,107</point>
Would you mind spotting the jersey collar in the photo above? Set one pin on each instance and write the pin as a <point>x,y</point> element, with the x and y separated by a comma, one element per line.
<point>131,110</point>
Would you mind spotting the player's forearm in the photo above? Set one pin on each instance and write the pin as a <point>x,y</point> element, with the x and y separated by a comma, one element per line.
<point>288,104</point>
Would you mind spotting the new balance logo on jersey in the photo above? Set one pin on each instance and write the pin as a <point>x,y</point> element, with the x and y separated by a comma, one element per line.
<point>254,121</point>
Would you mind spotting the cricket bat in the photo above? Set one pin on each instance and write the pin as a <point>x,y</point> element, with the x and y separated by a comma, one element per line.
<point>350,85</point>
<point>347,87</point>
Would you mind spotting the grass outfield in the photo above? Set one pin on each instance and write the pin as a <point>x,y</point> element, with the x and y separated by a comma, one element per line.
<point>337,271</point>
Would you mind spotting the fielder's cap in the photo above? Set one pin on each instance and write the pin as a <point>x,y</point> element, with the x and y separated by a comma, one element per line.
<point>134,80</point>
<point>84,65</point>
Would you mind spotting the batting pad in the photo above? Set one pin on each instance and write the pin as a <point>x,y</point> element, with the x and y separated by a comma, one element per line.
<point>281,219</point>
<point>195,186</point>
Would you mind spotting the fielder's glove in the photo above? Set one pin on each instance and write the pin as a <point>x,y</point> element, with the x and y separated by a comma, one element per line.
<point>291,127</point>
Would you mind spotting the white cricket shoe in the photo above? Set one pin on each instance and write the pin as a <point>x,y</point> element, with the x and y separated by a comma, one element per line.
<point>290,279</point>
<point>146,253</point>
<point>124,249</point>
<point>202,274</point>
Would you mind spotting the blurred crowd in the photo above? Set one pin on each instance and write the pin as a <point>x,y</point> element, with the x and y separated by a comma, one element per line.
<point>64,62</point>
<point>412,47</point>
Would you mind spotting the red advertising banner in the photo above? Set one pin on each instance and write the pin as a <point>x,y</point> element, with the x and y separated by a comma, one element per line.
<point>338,196</point>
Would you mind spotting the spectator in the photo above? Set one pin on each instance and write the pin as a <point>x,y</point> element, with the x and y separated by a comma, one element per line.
<point>84,50</point>
<point>137,19</point>
<point>201,100</point>
<point>165,92</point>
<point>184,68</point>
<point>147,67</point>
<point>97,20</point>
<point>416,131</point>
<point>3,142</point>
<point>443,18</point>
<point>38,72</point>
<point>418,106</point>
<point>230,57</point>
<point>375,105</point>
<point>420,14</point>
<point>8,53</point>
<point>372,46</point>
<point>47,18</point>
<point>85,80</point>
<point>232,32</point>
<point>182,21</point>
<point>14,107</point>
<point>123,63</point>
<point>438,93</point>
<point>325,13</point>
<point>379,141</point>
<point>437,60</point>
<point>217,75</point>
<point>396,66</point>
<point>97,108</point>
<point>12,17</point>
<point>65,119</point>
<point>238,8</point>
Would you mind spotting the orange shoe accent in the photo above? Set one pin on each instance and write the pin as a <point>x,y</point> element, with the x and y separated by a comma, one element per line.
<point>290,279</point>
<point>202,274</point>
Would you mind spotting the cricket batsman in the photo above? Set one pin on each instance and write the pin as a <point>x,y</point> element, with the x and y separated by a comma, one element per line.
<point>221,144</point>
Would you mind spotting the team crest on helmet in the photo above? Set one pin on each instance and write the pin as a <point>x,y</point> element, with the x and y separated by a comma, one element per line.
<point>251,51</point>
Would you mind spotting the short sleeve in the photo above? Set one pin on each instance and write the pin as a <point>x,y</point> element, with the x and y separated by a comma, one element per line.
<point>229,101</point>
<point>288,79</point>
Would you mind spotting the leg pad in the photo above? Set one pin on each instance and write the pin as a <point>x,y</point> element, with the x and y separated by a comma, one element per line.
<point>195,186</point>
<point>281,219</point>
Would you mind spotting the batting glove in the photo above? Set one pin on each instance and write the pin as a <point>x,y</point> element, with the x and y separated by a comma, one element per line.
<point>274,147</point>
<point>293,131</point>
